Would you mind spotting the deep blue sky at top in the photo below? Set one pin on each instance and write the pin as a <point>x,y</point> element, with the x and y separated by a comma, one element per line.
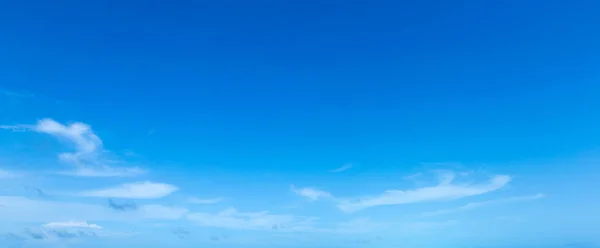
<point>310,84</point>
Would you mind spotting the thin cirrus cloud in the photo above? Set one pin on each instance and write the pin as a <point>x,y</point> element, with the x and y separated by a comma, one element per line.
<point>342,168</point>
<point>81,224</point>
<point>139,190</point>
<point>196,200</point>
<point>88,157</point>
<point>232,219</point>
<point>23,209</point>
<point>311,193</point>
<point>474,205</point>
<point>445,190</point>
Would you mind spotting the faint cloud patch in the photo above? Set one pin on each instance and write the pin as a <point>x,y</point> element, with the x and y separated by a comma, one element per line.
<point>138,190</point>
<point>474,205</point>
<point>233,219</point>
<point>122,206</point>
<point>15,94</point>
<point>22,209</point>
<point>4,174</point>
<point>181,232</point>
<point>311,193</point>
<point>196,200</point>
<point>342,168</point>
<point>59,231</point>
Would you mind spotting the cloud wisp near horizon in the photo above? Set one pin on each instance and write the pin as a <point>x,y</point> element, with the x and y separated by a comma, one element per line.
<point>75,215</point>
<point>87,146</point>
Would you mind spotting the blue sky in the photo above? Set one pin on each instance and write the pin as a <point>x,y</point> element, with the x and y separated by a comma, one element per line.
<point>299,124</point>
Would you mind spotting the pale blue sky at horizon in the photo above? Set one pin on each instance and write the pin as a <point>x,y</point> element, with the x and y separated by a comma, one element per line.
<point>299,124</point>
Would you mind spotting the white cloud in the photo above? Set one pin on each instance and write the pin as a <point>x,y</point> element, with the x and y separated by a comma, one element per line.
<point>474,205</point>
<point>232,219</point>
<point>196,200</point>
<point>80,224</point>
<point>311,193</point>
<point>342,168</point>
<point>445,190</point>
<point>85,141</point>
<point>88,157</point>
<point>16,209</point>
<point>138,190</point>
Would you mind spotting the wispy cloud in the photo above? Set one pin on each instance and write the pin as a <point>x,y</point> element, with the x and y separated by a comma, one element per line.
<point>474,205</point>
<point>16,94</point>
<point>311,193</point>
<point>444,190</point>
<point>196,200</point>
<point>138,190</point>
<point>22,209</point>
<point>81,224</point>
<point>103,171</point>
<point>233,219</point>
<point>60,231</point>
<point>342,168</point>
<point>413,176</point>
<point>88,158</point>
<point>15,128</point>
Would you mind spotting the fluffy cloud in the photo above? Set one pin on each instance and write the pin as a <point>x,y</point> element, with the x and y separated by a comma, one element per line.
<point>474,205</point>
<point>232,219</point>
<point>311,193</point>
<point>88,155</point>
<point>139,190</point>
<point>444,190</point>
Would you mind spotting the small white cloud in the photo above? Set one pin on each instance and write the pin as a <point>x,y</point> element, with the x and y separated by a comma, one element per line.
<point>445,190</point>
<point>79,224</point>
<point>88,158</point>
<point>232,219</point>
<point>311,193</point>
<point>196,200</point>
<point>342,168</point>
<point>474,205</point>
<point>139,190</point>
<point>80,134</point>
